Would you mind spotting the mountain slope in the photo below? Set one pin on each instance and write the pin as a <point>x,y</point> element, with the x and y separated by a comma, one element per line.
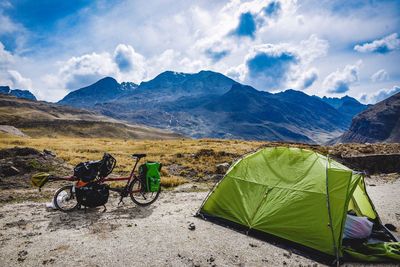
<point>104,90</point>
<point>290,115</point>
<point>379,123</point>
<point>26,94</point>
<point>37,118</point>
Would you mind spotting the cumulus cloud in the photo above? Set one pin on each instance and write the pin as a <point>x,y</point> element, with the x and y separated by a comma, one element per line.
<point>268,66</point>
<point>339,81</point>
<point>380,95</point>
<point>80,71</point>
<point>380,76</point>
<point>124,64</point>
<point>8,75</point>
<point>5,57</point>
<point>283,65</point>
<point>17,81</point>
<point>384,45</point>
<point>127,59</point>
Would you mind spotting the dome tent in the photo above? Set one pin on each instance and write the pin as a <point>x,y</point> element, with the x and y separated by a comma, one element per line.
<point>293,194</point>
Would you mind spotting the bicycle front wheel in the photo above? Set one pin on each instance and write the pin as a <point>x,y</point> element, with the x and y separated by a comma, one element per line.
<point>139,196</point>
<point>65,199</point>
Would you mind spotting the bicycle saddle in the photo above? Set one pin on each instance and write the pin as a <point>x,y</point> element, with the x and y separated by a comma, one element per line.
<point>139,156</point>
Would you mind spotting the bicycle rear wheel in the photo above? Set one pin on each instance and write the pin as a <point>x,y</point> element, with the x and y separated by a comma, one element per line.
<point>65,199</point>
<point>141,197</point>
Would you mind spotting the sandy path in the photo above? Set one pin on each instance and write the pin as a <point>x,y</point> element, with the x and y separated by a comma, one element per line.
<point>153,236</point>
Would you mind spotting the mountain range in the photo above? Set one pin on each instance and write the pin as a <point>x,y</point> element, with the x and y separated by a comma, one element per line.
<point>209,104</point>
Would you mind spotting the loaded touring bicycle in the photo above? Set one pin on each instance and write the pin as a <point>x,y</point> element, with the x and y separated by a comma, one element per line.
<point>91,189</point>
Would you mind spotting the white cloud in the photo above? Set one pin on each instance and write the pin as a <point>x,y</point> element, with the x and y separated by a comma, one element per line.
<point>129,61</point>
<point>281,66</point>
<point>380,76</point>
<point>10,76</point>
<point>339,81</point>
<point>380,95</point>
<point>124,64</point>
<point>5,57</point>
<point>84,70</point>
<point>17,81</point>
<point>384,45</point>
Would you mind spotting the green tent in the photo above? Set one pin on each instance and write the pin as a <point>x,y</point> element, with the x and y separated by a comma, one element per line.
<point>291,193</point>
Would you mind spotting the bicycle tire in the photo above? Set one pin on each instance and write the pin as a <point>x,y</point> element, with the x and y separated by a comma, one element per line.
<point>157,194</point>
<point>55,199</point>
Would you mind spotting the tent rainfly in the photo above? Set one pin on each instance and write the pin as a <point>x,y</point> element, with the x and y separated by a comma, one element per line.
<point>296,195</point>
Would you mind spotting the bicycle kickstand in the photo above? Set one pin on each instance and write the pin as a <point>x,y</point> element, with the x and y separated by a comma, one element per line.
<point>121,201</point>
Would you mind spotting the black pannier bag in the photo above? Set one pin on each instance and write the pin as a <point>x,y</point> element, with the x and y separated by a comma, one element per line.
<point>92,195</point>
<point>90,170</point>
<point>86,171</point>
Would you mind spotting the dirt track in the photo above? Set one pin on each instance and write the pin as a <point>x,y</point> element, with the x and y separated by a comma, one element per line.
<point>153,236</point>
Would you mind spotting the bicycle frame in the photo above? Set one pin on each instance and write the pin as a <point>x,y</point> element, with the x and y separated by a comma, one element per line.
<point>129,179</point>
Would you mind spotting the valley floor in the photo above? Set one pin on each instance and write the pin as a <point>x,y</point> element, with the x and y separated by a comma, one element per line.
<point>154,236</point>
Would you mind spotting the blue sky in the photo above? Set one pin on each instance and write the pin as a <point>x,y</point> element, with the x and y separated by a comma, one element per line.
<point>323,47</point>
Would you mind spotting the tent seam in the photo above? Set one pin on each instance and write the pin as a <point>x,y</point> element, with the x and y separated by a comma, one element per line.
<point>335,249</point>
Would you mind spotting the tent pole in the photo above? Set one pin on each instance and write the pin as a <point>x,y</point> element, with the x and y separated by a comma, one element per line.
<point>329,212</point>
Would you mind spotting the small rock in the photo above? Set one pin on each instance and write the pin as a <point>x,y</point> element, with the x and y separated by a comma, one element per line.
<point>211,259</point>
<point>22,255</point>
<point>284,263</point>
<point>49,152</point>
<point>287,254</point>
<point>222,168</point>
<point>253,245</point>
<point>49,261</point>
<point>192,227</point>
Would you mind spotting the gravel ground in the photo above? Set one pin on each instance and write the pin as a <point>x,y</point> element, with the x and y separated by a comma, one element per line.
<point>158,235</point>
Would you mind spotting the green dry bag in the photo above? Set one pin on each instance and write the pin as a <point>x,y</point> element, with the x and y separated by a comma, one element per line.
<point>150,175</point>
<point>40,179</point>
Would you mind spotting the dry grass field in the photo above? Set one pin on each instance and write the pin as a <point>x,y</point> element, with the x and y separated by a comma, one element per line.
<point>183,159</point>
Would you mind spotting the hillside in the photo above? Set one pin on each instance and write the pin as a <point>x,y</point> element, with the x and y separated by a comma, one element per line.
<point>379,123</point>
<point>37,118</point>
<point>209,104</point>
